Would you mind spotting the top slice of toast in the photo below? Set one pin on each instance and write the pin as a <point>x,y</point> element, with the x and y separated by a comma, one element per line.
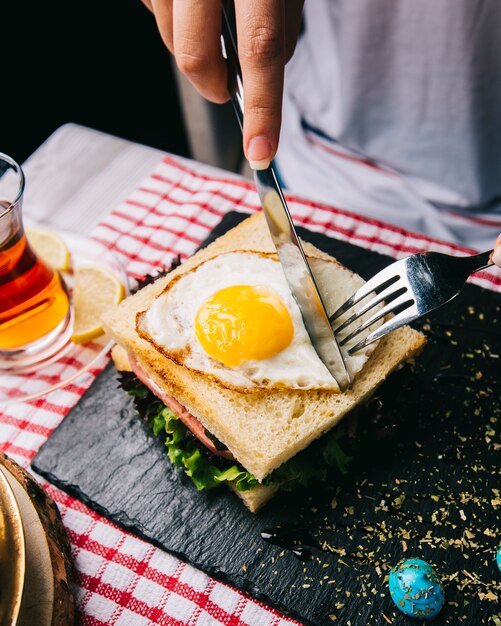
<point>262,430</point>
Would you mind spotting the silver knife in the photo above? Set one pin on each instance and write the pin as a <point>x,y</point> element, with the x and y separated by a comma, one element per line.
<point>289,249</point>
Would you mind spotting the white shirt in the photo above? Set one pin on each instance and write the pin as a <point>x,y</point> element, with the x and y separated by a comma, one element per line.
<point>392,108</point>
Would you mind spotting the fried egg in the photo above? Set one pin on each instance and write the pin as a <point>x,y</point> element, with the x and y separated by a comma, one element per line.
<point>234,319</point>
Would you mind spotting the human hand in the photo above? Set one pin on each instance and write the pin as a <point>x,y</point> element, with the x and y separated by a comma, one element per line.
<point>267,32</point>
<point>496,255</point>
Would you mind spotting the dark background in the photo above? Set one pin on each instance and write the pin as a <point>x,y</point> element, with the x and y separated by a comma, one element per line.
<point>100,63</point>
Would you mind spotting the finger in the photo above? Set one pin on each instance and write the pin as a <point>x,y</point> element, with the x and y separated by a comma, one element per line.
<point>162,10</point>
<point>496,255</point>
<point>147,4</point>
<point>293,17</point>
<point>197,45</point>
<point>261,48</point>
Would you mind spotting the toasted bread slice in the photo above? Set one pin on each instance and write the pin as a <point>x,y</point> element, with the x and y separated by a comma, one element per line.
<point>121,359</point>
<point>262,430</point>
<point>257,497</point>
<point>296,367</point>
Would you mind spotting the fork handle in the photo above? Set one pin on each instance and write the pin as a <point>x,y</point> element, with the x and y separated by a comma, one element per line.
<point>480,261</point>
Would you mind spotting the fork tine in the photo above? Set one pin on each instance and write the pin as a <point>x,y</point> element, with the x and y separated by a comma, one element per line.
<point>367,288</point>
<point>399,304</point>
<point>395,322</point>
<point>389,294</point>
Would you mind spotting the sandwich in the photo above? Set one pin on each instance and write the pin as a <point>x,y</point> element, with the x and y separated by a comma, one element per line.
<point>220,363</point>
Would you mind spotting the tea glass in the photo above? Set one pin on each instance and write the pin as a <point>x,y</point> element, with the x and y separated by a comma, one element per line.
<point>36,317</point>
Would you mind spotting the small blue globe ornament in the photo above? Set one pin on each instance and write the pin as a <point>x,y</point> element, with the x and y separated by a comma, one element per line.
<point>416,589</point>
<point>498,558</point>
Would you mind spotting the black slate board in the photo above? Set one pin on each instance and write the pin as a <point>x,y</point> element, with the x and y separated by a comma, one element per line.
<point>424,482</point>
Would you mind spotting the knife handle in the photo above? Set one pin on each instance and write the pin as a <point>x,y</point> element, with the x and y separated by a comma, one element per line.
<point>230,53</point>
<point>283,233</point>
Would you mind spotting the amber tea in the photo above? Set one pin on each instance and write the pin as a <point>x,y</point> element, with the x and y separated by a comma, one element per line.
<point>34,302</point>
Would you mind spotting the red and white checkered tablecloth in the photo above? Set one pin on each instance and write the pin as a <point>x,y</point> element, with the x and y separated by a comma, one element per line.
<point>123,580</point>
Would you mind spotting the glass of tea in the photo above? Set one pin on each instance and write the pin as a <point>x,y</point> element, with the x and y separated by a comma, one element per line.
<point>35,312</point>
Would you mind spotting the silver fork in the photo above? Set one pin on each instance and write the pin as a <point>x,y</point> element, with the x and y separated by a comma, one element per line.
<point>409,289</point>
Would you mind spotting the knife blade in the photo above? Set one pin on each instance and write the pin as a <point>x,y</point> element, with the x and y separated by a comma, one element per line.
<point>290,252</point>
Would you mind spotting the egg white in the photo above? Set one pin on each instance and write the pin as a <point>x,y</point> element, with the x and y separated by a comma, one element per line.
<point>170,322</point>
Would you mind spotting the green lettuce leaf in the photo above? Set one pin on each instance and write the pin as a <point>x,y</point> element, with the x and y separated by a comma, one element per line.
<point>317,462</point>
<point>335,456</point>
<point>184,451</point>
<point>244,480</point>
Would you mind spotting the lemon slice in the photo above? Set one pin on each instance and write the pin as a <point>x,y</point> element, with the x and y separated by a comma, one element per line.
<point>95,290</point>
<point>50,248</point>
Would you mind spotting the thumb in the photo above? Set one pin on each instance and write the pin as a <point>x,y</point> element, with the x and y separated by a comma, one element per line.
<point>496,255</point>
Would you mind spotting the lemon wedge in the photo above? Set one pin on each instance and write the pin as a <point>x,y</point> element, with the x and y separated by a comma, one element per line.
<point>95,290</point>
<point>49,247</point>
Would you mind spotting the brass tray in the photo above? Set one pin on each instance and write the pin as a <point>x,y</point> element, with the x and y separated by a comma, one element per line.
<point>12,555</point>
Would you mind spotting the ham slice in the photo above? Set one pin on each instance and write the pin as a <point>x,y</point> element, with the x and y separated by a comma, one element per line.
<point>189,420</point>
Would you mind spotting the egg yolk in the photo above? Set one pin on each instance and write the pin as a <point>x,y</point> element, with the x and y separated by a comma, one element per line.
<point>243,323</point>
